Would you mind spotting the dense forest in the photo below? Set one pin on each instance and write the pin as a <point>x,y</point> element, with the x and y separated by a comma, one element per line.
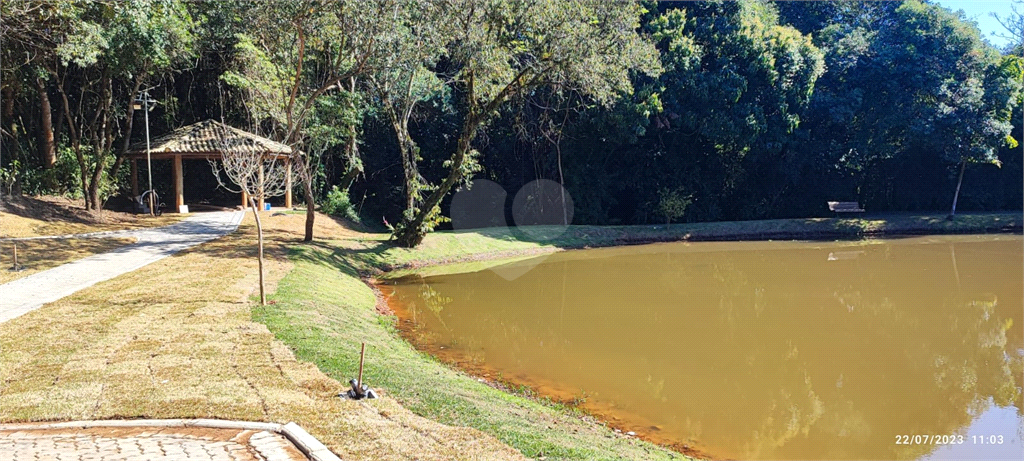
<point>646,112</point>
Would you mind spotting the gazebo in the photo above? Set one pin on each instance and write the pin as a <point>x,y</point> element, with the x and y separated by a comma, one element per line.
<point>204,140</point>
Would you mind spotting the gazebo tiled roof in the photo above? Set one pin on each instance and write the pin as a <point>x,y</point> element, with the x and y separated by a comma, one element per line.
<point>206,139</point>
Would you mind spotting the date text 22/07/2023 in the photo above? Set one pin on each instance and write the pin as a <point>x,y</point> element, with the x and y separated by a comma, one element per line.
<point>932,439</point>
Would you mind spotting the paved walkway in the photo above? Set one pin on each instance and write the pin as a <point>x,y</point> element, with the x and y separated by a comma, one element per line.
<point>29,293</point>
<point>185,440</point>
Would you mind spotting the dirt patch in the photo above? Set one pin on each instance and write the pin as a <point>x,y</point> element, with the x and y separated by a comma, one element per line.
<point>22,216</point>
<point>382,307</point>
<point>293,223</point>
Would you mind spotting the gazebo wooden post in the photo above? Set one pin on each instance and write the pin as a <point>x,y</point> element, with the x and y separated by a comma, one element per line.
<point>287,182</point>
<point>179,185</point>
<point>245,199</point>
<point>135,178</point>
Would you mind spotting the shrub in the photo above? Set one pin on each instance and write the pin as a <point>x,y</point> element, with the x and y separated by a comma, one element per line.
<point>338,204</point>
<point>673,204</point>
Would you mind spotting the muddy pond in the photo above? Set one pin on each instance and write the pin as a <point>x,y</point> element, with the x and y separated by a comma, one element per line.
<point>906,348</point>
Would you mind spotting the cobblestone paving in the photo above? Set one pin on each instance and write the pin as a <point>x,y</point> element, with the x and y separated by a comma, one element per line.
<point>145,444</point>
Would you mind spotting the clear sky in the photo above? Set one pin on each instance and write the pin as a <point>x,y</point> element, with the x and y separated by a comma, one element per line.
<point>978,11</point>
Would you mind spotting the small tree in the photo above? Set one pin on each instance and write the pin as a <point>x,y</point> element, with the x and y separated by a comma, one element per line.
<point>673,204</point>
<point>254,172</point>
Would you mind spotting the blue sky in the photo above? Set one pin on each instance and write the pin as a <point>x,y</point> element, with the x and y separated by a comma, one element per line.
<point>978,10</point>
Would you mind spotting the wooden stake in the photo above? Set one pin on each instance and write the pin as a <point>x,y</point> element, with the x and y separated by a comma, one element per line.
<point>15,257</point>
<point>362,353</point>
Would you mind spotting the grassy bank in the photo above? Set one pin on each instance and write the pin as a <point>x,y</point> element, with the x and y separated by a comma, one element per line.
<point>448,247</point>
<point>324,311</point>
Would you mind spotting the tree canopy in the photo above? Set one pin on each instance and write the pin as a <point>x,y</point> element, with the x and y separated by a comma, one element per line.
<point>643,111</point>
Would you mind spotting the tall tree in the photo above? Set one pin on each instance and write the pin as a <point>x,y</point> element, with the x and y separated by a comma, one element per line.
<point>29,33</point>
<point>907,83</point>
<point>944,90</point>
<point>736,86</point>
<point>112,50</point>
<point>293,54</point>
<point>500,49</point>
<point>411,44</point>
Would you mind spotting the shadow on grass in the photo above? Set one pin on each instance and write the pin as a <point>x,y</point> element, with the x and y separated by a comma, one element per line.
<point>28,207</point>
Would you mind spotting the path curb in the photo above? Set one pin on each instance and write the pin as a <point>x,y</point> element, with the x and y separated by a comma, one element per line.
<point>307,444</point>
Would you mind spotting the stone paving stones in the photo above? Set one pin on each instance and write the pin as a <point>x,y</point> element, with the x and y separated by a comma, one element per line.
<point>145,444</point>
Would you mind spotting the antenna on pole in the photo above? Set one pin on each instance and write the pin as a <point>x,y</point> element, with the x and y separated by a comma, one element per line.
<point>143,101</point>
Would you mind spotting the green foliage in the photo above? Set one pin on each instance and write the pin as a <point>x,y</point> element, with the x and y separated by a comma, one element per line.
<point>672,204</point>
<point>734,75</point>
<point>500,50</point>
<point>129,37</point>
<point>761,109</point>
<point>338,204</point>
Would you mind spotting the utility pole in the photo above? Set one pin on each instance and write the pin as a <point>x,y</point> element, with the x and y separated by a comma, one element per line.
<point>143,102</point>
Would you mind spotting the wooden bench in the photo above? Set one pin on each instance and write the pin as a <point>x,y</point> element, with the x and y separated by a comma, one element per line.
<point>845,207</point>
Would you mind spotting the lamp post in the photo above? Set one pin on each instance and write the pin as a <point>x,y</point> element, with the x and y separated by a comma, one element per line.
<point>143,101</point>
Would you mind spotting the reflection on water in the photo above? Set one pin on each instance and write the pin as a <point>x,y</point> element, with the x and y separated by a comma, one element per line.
<point>755,350</point>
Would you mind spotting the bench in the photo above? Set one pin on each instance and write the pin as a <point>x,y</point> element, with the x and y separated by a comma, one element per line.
<point>845,207</point>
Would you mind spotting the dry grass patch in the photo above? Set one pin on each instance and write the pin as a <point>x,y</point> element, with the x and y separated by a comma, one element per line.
<point>174,340</point>
<point>39,255</point>
<point>46,216</point>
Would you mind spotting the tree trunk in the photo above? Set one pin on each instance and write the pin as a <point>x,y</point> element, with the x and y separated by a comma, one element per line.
<point>956,196</point>
<point>93,195</point>
<point>130,112</point>
<point>411,234</point>
<point>350,177</point>
<point>48,151</point>
<point>259,249</point>
<point>76,141</point>
<point>8,107</point>
<point>561,182</point>
<point>355,166</point>
<point>307,191</point>
<point>94,201</point>
<point>408,150</point>
<point>11,129</point>
<point>83,173</point>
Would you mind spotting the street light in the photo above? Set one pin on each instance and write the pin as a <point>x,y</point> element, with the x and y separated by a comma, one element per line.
<point>143,101</point>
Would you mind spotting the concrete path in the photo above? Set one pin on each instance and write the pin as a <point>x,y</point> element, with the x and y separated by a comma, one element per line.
<point>29,293</point>
<point>146,440</point>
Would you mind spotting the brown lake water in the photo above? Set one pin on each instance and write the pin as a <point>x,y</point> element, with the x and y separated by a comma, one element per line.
<point>755,350</point>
